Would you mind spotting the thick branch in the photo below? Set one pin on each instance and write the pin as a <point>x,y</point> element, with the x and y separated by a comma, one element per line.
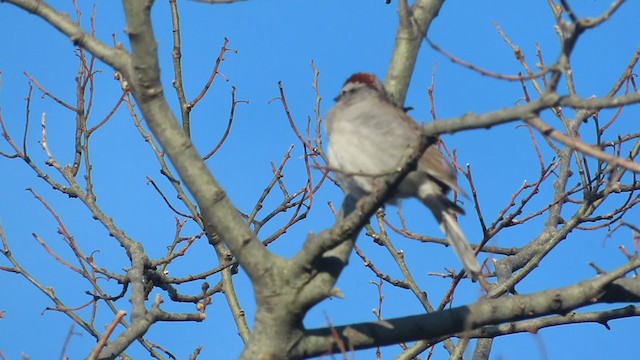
<point>467,318</point>
<point>414,23</point>
<point>217,210</point>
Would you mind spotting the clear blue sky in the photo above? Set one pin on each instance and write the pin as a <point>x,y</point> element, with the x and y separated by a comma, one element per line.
<point>276,40</point>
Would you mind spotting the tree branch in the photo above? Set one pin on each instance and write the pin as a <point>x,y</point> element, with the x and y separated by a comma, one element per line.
<point>466,318</point>
<point>115,57</point>
<point>219,214</point>
<point>527,111</point>
<point>414,24</point>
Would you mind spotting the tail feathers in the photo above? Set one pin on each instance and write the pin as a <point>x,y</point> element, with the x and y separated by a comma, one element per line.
<point>459,243</point>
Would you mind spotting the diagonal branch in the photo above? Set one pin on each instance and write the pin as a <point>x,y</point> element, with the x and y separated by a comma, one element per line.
<point>115,57</point>
<point>547,130</point>
<point>219,215</point>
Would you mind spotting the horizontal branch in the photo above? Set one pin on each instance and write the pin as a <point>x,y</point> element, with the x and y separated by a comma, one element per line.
<point>471,121</point>
<point>531,110</point>
<point>474,316</point>
<point>534,325</point>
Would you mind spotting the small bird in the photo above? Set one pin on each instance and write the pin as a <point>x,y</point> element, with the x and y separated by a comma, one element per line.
<point>368,137</point>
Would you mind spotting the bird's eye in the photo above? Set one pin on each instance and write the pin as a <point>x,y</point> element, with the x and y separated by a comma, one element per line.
<point>342,92</point>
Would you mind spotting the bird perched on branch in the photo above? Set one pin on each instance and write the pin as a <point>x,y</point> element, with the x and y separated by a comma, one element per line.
<point>369,136</point>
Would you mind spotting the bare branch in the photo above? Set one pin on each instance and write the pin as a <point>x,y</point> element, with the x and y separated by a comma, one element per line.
<point>464,318</point>
<point>116,57</point>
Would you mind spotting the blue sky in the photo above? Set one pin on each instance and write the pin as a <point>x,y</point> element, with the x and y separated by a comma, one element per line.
<point>275,41</point>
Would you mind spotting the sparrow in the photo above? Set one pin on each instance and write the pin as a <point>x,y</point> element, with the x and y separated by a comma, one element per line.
<point>368,137</point>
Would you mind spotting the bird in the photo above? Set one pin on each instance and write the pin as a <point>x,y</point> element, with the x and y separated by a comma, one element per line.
<point>369,136</point>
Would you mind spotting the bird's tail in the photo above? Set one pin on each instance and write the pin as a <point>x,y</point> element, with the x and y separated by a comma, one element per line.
<point>459,243</point>
<point>443,210</point>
